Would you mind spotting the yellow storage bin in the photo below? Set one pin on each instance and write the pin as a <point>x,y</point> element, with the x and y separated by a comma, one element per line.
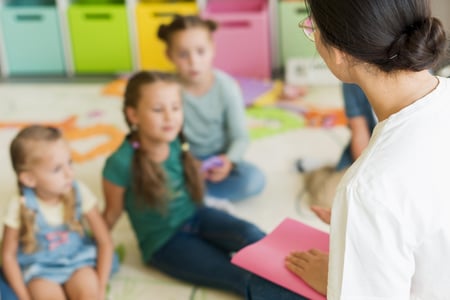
<point>148,17</point>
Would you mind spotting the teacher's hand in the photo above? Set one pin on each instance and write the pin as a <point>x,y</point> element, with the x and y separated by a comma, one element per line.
<point>311,266</point>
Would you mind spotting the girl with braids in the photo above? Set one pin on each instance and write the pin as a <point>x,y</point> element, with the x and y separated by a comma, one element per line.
<point>214,109</point>
<point>155,179</point>
<point>46,252</point>
<point>390,225</point>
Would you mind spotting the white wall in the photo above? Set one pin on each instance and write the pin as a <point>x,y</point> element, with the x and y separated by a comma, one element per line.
<point>441,9</point>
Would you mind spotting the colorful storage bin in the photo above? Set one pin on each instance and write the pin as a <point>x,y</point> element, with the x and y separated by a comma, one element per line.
<point>96,2</point>
<point>149,16</point>
<point>32,40</point>
<point>100,38</point>
<point>242,40</point>
<point>31,2</point>
<point>293,42</point>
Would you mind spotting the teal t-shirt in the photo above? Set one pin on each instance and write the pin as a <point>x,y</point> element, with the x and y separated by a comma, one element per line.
<point>152,228</point>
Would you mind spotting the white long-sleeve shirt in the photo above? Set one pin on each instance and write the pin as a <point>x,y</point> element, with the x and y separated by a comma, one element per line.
<point>390,229</point>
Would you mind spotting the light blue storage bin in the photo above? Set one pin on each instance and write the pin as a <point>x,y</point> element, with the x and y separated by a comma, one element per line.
<point>30,2</point>
<point>32,40</point>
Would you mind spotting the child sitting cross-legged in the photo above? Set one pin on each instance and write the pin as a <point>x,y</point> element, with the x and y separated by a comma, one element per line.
<point>155,179</point>
<point>215,125</point>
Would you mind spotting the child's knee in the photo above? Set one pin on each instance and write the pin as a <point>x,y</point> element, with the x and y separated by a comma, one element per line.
<point>84,284</point>
<point>252,183</point>
<point>258,182</point>
<point>251,233</point>
<point>255,184</point>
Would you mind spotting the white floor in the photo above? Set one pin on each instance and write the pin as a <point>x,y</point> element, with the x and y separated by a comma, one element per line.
<point>276,155</point>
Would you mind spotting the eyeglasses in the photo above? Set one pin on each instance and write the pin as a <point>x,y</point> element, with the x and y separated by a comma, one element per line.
<point>308,27</point>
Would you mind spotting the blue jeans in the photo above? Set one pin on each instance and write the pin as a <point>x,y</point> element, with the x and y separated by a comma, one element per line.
<point>244,181</point>
<point>346,160</point>
<point>200,251</point>
<point>261,289</point>
<point>6,293</point>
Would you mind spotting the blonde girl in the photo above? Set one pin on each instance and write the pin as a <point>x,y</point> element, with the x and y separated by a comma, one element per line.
<point>154,178</point>
<point>46,252</point>
<point>214,109</point>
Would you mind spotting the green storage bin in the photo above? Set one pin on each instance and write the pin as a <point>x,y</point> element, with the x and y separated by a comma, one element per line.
<point>32,40</point>
<point>100,38</point>
<point>293,42</point>
<point>100,2</point>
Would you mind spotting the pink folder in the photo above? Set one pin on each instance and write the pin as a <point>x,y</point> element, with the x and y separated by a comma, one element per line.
<point>266,257</point>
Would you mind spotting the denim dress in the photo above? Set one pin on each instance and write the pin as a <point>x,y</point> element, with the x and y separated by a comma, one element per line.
<point>60,251</point>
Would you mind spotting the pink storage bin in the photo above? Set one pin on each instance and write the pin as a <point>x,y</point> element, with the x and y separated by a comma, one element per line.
<point>242,39</point>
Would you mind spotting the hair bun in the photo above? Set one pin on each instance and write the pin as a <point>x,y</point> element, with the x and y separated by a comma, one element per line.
<point>162,32</point>
<point>212,25</point>
<point>183,22</point>
<point>418,47</point>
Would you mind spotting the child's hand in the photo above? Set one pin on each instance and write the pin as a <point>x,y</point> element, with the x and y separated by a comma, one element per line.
<point>217,174</point>
<point>208,164</point>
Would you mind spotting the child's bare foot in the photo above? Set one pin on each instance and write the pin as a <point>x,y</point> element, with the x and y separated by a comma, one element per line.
<point>311,266</point>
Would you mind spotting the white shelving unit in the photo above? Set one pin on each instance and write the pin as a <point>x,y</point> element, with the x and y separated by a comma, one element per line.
<point>62,6</point>
<point>441,8</point>
<point>132,25</point>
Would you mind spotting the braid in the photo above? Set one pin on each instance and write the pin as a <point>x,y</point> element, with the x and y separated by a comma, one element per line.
<point>27,229</point>
<point>70,216</point>
<point>149,178</point>
<point>192,176</point>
